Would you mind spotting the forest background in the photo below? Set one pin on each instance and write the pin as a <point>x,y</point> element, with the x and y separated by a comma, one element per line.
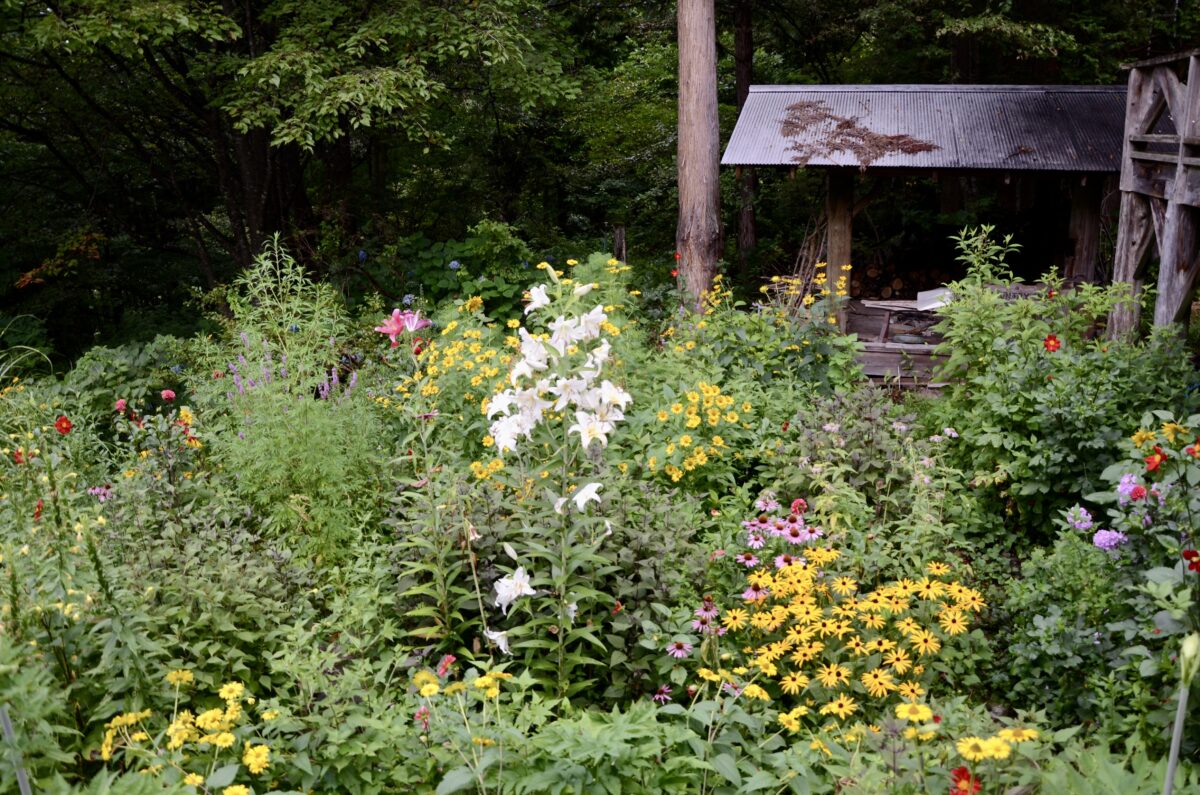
<point>148,150</point>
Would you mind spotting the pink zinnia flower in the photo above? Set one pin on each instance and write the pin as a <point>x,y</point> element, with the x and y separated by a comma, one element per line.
<point>445,663</point>
<point>679,649</point>
<point>799,505</point>
<point>168,395</point>
<point>121,404</point>
<point>421,716</point>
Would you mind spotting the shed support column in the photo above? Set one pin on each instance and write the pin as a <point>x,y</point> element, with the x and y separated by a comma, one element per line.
<point>839,210</point>
<point>1085,229</point>
<point>1135,230</point>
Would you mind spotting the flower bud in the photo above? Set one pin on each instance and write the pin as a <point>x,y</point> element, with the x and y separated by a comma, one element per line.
<point>1189,658</point>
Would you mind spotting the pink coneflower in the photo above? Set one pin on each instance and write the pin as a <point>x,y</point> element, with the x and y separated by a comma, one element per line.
<point>704,626</point>
<point>731,688</point>
<point>785,560</point>
<point>747,559</point>
<point>802,535</point>
<point>755,592</point>
<point>755,540</point>
<point>679,649</point>
<point>663,694</point>
<point>766,504</point>
<point>708,608</point>
<point>761,523</point>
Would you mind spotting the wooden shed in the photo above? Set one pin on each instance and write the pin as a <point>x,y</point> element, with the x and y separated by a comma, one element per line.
<point>1071,134</point>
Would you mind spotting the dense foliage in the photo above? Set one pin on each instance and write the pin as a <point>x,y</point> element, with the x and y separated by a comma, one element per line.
<point>581,542</point>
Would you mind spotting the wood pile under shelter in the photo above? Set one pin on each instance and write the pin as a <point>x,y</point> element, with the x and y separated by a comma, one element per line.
<point>1160,186</point>
<point>1070,136</point>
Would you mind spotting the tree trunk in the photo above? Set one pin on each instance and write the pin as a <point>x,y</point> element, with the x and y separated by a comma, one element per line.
<point>699,232</point>
<point>747,182</point>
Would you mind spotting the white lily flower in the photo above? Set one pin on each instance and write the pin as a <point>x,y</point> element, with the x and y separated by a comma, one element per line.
<point>584,289</point>
<point>572,611</point>
<point>512,587</point>
<point>562,334</point>
<point>613,395</point>
<point>559,504</point>
<point>499,638</point>
<point>589,493</point>
<point>537,298</point>
<point>589,324</point>
<point>589,428</point>
<point>569,390</point>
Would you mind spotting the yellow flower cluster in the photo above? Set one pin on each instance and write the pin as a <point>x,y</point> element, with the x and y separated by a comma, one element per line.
<point>694,422</point>
<point>999,746</point>
<point>824,641</point>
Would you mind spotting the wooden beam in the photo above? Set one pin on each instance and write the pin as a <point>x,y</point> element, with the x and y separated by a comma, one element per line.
<point>839,210</point>
<point>1084,230</point>
<point>1134,232</point>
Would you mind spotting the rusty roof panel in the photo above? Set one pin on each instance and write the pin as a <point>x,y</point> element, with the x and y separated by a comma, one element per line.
<point>1039,128</point>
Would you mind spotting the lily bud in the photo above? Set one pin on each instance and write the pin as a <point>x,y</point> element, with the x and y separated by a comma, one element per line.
<point>1189,658</point>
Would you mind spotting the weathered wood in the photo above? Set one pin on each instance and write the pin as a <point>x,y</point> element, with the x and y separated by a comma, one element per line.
<point>747,182</point>
<point>1134,232</point>
<point>1084,230</point>
<point>1143,98</point>
<point>839,204</point>
<point>619,243</point>
<point>1177,266</point>
<point>698,235</point>
<point>1157,157</point>
<point>1168,83</point>
<point>1155,138</point>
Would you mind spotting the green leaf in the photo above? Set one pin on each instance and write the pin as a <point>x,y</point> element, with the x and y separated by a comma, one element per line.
<point>456,780</point>
<point>727,767</point>
<point>223,776</point>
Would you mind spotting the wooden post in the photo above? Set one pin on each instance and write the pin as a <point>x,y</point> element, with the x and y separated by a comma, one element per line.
<point>1085,228</point>
<point>839,210</point>
<point>839,214</point>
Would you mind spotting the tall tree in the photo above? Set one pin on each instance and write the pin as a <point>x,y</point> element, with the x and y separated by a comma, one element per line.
<point>743,68</point>
<point>698,235</point>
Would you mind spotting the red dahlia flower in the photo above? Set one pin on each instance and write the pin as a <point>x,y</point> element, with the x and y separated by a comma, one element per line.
<point>63,425</point>
<point>1155,459</point>
<point>963,783</point>
<point>1051,343</point>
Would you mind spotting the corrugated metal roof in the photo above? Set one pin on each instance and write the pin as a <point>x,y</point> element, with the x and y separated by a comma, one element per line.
<point>1032,128</point>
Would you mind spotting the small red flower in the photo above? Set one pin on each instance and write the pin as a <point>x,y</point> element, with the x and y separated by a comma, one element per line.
<point>37,510</point>
<point>1190,554</point>
<point>937,718</point>
<point>18,457</point>
<point>617,607</point>
<point>120,406</point>
<point>1194,450</point>
<point>678,256</point>
<point>444,664</point>
<point>1051,343</point>
<point>1155,459</point>
<point>963,783</point>
<point>799,506</point>
<point>168,395</point>
<point>1052,293</point>
<point>63,425</point>
<point>674,271</point>
<point>786,425</point>
<point>218,374</point>
<point>1137,493</point>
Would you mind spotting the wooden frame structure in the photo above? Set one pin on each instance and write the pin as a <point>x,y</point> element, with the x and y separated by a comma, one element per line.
<point>1160,186</point>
